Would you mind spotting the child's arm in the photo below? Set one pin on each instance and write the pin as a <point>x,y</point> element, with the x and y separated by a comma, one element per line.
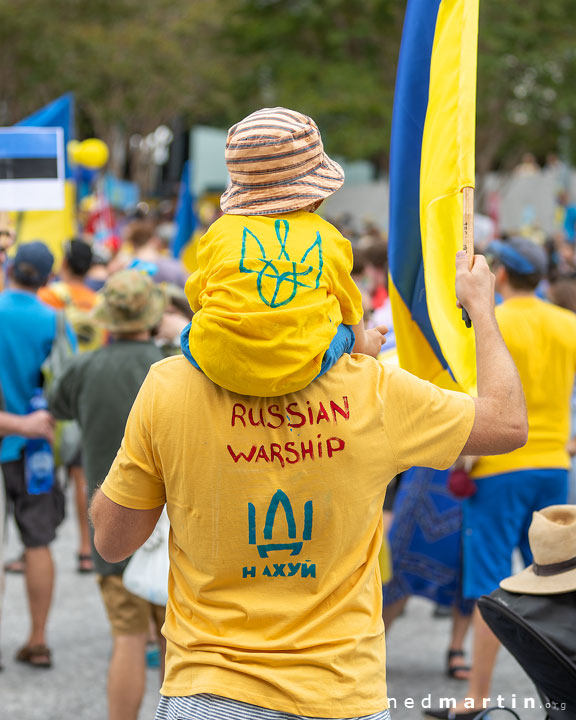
<point>369,342</point>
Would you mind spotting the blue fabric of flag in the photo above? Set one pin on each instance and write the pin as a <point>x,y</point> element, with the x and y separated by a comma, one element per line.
<point>185,217</point>
<point>409,115</point>
<point>59,113</point>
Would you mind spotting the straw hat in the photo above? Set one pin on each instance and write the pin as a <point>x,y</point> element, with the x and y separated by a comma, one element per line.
<point>552,537</point>
<point>130,302</point>
<point>277,164</point>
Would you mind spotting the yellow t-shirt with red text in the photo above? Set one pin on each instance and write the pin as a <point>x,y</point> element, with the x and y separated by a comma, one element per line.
<point>541,338</point>
<point>275,507</point>
<point>268,296</point>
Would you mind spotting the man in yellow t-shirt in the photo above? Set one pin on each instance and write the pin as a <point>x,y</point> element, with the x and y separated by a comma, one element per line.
<point>541,338</point>
<point>275,507</point>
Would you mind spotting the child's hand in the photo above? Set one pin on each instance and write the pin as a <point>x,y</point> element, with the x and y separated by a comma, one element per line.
<point>375,338</point>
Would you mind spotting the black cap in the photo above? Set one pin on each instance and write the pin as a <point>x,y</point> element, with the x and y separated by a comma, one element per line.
<point>32,264</point>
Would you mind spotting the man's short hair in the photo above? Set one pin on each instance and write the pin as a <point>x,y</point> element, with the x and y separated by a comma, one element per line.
<point>523,282</point>
<point>139,233</point>
<point>78,254</point>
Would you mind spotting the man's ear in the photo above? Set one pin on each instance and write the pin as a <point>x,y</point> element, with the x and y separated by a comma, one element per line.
<point>501,275</point>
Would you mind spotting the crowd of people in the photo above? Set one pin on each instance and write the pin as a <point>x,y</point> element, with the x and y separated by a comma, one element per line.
<point>109,339</point>
<point>252,355</point>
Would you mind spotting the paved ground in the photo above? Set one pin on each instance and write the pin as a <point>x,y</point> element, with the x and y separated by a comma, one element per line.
<point>75,688</point>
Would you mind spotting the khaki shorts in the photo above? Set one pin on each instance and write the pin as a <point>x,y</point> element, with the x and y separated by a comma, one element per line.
<point>127,613</point>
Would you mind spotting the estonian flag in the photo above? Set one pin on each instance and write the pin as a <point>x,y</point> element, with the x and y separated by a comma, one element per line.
<point>431,161</point>
<point>54,227</point>
<point>31,169</point>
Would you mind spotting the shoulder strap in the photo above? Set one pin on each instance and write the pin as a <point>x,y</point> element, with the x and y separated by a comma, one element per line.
<point>60,325</point>
<point>62,292</point>
<point>60,352</point>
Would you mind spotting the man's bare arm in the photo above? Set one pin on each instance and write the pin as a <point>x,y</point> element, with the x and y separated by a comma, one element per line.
<point>501,423</point>
<point>118,530</point>
<point>36,424</point>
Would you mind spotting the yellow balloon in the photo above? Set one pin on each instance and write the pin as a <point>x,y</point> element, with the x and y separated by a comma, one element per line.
<point>73,148</point>
<point>92,153</point>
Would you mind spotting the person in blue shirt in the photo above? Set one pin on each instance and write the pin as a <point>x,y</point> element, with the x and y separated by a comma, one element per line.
<point>27,331</point>
<point>36,424</point>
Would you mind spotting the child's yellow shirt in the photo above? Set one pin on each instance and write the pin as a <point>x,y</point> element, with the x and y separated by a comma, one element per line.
<point>268,296</point>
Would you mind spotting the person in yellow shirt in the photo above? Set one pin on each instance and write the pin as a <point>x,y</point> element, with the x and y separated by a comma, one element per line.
<point>275,305</point>
<point>541,338</point>
<point>275,507</point>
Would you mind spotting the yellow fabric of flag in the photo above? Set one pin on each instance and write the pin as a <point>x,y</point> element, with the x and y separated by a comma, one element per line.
<point>416,356</point>
<point>447,166</point>
<point>53,227</point>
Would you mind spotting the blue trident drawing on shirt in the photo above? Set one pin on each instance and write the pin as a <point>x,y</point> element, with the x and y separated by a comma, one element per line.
<point>280,498</point>
<point>274,287</point>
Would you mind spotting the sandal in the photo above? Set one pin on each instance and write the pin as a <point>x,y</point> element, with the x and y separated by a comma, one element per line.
<point>85,563</point>
<point>16,566</point>
<point>36,655</point>
<point>455,671</point>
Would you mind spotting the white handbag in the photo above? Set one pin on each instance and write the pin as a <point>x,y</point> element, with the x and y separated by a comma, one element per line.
<point>146,574</point>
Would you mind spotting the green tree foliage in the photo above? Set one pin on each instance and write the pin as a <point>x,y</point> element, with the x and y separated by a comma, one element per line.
<point>335,60</point>
<point>135,63</point>
<point>526,91</point>
<point>129,62</point>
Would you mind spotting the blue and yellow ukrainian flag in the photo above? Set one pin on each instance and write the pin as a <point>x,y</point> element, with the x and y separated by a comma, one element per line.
<point>54,227</point>
<point>185,217</point>
<point>431,161</point>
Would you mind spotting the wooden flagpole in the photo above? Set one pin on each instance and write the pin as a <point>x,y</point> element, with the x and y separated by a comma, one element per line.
<point>6,240</point>
<point>4,220</point>
<point>468,236</point>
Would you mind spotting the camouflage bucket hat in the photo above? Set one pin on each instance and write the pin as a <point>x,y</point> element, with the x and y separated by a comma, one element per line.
<point>130,302</point>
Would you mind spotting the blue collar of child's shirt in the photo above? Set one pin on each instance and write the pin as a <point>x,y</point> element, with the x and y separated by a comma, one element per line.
<point>185,345</point>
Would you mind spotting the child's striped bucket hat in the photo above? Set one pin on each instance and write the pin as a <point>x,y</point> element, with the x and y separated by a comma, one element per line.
<point>277,164</point>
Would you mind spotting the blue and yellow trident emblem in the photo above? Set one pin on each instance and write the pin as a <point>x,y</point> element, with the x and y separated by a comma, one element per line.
<point>279,288</point>
<point>280,498</point>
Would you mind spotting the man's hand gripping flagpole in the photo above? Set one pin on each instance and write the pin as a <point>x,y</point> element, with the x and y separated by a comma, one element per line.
<point>468,237</point>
